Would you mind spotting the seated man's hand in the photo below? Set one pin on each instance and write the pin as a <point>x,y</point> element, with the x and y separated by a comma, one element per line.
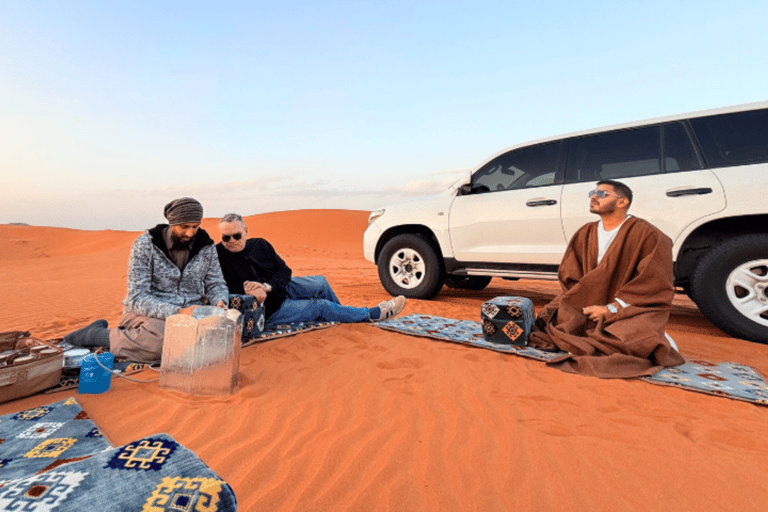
<point>596,313</point>
<point>187,311</point>
<point>221,304</point>
<point>256,289</point>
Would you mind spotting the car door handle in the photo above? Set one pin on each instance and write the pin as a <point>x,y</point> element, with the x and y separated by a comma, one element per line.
<point>689,192</point>
<point>541,202</point>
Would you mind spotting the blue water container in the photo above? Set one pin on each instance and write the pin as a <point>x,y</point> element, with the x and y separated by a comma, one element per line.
<point>93,378</point>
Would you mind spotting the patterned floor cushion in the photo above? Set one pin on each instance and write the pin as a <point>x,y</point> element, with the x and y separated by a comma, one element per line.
<point>507,320</point>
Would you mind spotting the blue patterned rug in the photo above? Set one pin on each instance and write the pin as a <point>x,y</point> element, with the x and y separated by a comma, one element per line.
<point>272,331</point>
<point>53,458</point>
<point>729,380</point>
<point>43,438</point>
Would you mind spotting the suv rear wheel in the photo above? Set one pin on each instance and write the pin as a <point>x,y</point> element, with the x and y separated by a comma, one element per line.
<point>409,265</point>
<point>730,286</point>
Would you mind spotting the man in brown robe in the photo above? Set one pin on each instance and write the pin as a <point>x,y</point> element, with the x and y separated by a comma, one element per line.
<point>617,289</point>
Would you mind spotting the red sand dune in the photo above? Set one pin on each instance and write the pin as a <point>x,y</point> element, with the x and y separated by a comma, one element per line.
<point>357,418</point>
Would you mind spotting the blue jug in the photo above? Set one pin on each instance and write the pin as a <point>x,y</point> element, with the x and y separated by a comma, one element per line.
<point>93,378</point>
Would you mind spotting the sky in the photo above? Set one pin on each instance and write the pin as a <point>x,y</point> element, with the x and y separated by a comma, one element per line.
<point>109,110</point>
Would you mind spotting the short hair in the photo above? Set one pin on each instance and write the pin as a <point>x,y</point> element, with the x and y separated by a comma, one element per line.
<point>232,217</point>
<point>619,188</point>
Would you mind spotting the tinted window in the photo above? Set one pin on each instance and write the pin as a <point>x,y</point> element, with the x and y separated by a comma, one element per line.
<point>522,168</point>
<point>615,155</point>
<point>679,154</point>
<point>733,139</point>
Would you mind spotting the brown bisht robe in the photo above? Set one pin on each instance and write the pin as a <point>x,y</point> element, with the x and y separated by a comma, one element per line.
<point>636,268</point>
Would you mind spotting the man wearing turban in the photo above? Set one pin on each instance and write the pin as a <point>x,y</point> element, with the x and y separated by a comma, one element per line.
<point>173,268</point>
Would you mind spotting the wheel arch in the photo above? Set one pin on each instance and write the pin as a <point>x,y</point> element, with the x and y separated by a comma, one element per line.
<point>704,237</point>
<point>407,229</point>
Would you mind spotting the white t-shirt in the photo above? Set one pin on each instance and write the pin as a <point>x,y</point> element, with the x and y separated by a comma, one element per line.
<point>604,241</point>
<point>605,238</point>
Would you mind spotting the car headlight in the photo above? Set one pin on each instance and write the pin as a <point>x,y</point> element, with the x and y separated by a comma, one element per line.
<point>375,215</point>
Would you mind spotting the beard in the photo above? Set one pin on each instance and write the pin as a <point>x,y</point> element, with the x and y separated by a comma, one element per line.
<point>605,208</point>
<point>180,244</point>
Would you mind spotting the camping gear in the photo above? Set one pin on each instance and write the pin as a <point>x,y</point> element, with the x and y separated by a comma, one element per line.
<point>27,365</point>
<point>95,378</point>
<point>201,353</point>
<point>74,356</point>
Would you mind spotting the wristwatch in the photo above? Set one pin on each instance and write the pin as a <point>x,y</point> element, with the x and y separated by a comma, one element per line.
<point>268,287</point>
<point>612,308</point>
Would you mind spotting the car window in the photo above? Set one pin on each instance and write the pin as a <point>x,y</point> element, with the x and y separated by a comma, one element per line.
<point>520,168</point>
<point>615,155</point>
<point>733,139</point>
<point>679,154</point>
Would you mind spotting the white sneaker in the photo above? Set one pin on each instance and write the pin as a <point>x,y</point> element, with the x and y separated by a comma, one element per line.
<point>390,308</point>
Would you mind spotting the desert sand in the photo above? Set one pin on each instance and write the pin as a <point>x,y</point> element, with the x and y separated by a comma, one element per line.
<point>361,419</point>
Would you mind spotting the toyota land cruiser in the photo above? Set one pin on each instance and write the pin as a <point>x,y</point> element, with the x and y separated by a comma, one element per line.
<point>702,178</point>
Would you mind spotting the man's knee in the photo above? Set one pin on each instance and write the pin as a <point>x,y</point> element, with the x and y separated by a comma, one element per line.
<point>138,339</point>
<point>326,291</point>
<point>321,285</point>
<point>328,309</point>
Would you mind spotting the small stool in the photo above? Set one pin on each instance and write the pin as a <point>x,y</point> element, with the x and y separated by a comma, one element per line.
<point>507,320</point>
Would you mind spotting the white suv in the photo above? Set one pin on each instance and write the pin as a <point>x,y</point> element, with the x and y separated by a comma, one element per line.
<point>702,178</point>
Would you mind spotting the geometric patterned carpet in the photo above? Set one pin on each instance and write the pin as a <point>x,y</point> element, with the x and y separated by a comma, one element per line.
<point>52,464</point>
<point>272,331</point>
<point>729,380</point>
<point>41,439</point>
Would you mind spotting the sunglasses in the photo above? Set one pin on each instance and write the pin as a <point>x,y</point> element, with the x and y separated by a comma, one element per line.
<point>601,194</point>
<point>236,236</point>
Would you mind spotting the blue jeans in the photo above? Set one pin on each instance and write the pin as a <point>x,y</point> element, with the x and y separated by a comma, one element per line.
<point>311,298</point>
<point>309,310</point>
<point>311,287</point>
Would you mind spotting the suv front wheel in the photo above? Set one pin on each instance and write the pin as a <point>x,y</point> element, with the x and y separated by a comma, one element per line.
<point>730,286</point>
<point>409,265</point>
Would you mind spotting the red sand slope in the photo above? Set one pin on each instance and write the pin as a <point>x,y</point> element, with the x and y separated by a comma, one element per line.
<point>356,418</point>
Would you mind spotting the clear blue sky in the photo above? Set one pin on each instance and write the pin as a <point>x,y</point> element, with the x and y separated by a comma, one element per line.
<point>108,110</point>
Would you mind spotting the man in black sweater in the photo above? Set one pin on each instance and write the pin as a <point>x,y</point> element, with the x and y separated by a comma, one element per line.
<point>253,267</point>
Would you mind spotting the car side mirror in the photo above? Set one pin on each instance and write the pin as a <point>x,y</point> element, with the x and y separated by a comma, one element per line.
<point>465,189</point>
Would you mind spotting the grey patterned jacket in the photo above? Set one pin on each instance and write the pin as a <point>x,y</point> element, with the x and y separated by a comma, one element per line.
<point>156,286</point>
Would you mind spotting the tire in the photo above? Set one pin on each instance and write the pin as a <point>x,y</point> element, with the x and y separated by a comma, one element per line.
<point>729,286</point>
<point>409,265</point>
<point>467,282</point>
